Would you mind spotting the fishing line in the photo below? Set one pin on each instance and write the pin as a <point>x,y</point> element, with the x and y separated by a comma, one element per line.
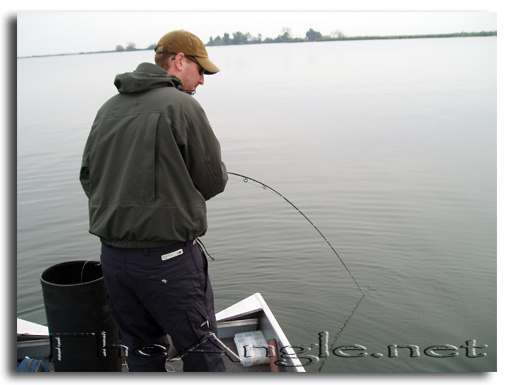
<point>82,271</point>
<point>340,332</point>
<point>266,187</point>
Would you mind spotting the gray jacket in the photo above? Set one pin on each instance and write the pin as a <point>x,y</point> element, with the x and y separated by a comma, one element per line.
<point>150,163</point>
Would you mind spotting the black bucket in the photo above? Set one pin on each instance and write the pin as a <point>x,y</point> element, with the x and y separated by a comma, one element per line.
<point>83,335</point>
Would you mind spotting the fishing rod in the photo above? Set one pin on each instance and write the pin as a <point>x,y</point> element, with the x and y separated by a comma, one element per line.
<point>266,187</point>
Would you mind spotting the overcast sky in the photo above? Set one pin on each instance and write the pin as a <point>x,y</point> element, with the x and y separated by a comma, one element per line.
<point>55,32</point>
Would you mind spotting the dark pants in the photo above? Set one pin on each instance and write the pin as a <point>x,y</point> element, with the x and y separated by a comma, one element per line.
<point>159,291</point>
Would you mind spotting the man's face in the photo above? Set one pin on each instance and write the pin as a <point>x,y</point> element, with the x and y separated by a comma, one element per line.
<point>192,74</point>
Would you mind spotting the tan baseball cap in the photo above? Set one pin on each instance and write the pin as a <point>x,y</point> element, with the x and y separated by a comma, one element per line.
<point>189,45</point>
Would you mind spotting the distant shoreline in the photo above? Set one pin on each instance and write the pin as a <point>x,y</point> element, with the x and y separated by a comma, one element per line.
<point>295,40</point>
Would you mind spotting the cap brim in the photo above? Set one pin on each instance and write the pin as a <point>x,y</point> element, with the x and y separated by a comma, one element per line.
<point>209,67</point>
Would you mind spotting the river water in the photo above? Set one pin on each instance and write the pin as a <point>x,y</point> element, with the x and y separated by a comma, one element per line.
<point>387,147</point>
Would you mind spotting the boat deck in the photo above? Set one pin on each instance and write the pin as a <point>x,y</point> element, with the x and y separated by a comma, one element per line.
<point>231,364</point>
<point>246,316</point>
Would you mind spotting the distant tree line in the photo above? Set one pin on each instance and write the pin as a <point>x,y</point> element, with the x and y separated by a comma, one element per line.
<point>312,35</point>
<point>246,38</point>
<point>239,38</point>
<point>132,47</point>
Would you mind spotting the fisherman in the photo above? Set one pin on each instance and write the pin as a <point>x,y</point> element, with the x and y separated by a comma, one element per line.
<point>149,165</point>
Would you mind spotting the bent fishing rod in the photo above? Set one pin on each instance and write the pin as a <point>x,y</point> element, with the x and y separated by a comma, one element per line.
<point>266,187</point>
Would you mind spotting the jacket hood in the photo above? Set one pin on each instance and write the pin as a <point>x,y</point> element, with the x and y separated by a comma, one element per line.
<point>147,76</point>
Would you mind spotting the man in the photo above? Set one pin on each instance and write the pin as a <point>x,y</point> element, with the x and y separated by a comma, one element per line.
<point>149,164</point>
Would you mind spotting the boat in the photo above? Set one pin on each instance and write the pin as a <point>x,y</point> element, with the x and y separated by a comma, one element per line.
<point>33,340</point>
<point>249,336</point>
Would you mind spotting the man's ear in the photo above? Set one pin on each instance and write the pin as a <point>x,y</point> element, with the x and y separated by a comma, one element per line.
<point>176,63</point>
<point>179,61</point>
